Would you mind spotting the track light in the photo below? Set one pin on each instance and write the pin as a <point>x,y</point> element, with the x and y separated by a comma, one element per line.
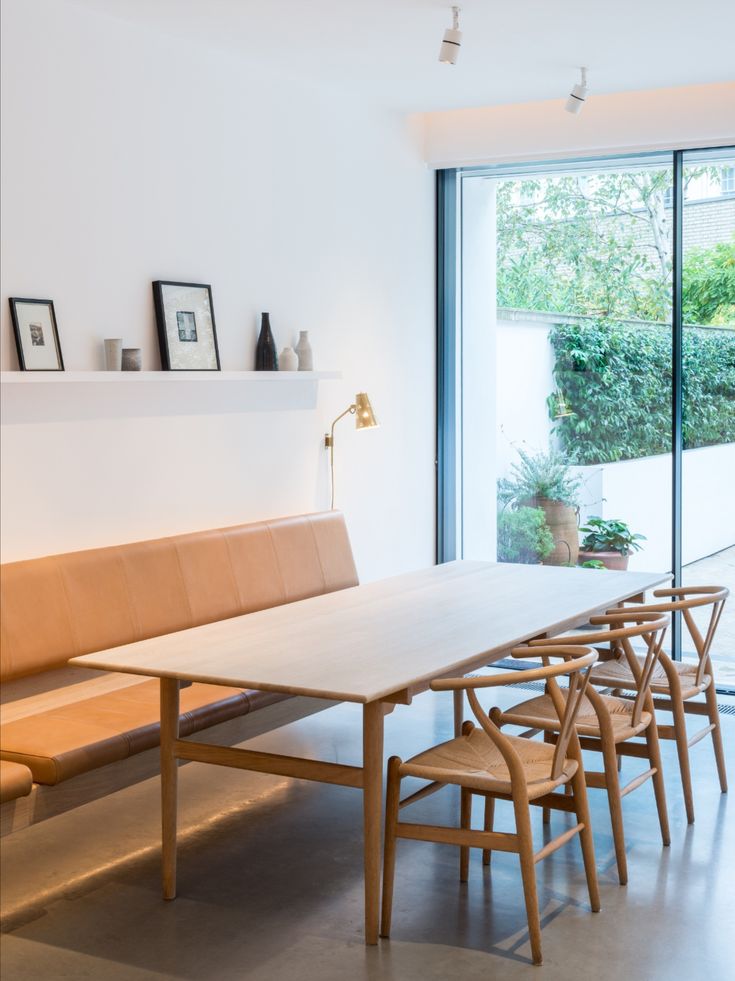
<point>452,41</point>
<point>578,95</point>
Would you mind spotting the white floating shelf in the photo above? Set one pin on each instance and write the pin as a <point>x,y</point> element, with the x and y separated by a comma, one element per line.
<point>168,377</point>
<point>67,395</point>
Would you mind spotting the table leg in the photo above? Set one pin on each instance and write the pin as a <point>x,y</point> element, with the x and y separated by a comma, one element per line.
<point>372,765</point>
<point>458,711</point>
<point>169,779</point>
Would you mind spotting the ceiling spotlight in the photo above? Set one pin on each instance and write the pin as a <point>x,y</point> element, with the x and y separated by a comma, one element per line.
<point>578,95</point>
<point>452,42</point>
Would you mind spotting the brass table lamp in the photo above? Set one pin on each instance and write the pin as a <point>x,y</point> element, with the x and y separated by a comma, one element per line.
<point>364,419</point>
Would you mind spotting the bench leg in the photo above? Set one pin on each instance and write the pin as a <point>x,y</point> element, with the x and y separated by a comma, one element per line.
<point>169,778</point>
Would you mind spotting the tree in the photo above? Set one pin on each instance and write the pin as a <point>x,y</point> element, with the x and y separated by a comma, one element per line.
<point>709,285</point>
<point>584,244</point>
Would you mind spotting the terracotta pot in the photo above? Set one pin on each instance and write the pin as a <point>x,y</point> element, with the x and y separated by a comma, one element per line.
<point>611,560</point>
<point>562,522</point>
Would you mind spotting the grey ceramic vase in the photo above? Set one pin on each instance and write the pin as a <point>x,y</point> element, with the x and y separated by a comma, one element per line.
<point>132,359</point>
<point>303,349</point>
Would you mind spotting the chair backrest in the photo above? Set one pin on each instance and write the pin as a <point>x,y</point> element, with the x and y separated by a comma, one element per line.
<point>686,599</point>
<point>576,664</point>
<point>64,605</point>
<point>622,626</point>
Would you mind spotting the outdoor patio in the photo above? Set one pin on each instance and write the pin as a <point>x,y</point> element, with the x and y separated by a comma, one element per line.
<point>718,570</point>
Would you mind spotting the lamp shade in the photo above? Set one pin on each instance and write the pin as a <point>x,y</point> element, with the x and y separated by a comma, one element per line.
<point>364,415</point>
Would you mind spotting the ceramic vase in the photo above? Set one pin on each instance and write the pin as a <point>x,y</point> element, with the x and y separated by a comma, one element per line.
<point>266,358</point>
<point>113,353</point>
<point>304,352</point>
<point>288,360</point>
<point>132,359</point>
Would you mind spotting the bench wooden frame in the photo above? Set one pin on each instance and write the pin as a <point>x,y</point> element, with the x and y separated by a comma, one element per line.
<point>48,801</point>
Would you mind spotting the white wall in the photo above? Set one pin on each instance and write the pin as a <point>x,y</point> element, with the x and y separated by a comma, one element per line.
<point>688,116</point>
<point>130,156</point>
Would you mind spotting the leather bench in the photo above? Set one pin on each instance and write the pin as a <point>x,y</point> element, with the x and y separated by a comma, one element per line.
<point>16,781</point>
<point>59,721</point>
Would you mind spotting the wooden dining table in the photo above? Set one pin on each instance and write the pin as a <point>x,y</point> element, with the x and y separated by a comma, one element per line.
<point>378,645</point>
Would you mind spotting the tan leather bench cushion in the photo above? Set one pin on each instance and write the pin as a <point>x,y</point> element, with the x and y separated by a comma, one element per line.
<point>71,739</point>
<point>15,781</point>
<point>63,605</point>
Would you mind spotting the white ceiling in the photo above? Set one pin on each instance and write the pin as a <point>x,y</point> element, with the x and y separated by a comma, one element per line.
<point>513,51</point>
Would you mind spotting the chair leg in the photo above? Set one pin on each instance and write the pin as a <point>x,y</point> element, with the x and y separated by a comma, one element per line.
<point>465,815</point>
<point>582,810</point>
<point>659,787</point>
<point>528,874</point>
<point>389,848</point>
<point>615,803</point>
<point>714,718</point>
<point>488,826</point>
<point>682,748</point>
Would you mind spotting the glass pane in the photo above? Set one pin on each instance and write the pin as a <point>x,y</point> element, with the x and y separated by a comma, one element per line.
<point>708,473</point>
<point>566,364</point>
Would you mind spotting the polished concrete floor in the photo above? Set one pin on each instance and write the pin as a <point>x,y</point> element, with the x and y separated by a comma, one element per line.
<point>270,885</point>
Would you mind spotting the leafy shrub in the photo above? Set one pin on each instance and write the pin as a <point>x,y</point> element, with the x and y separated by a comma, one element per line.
<point>708,285</point>
<point>539,475</point>
<point>610,535</point>
<point>616,379</point>
<point>523,536</point>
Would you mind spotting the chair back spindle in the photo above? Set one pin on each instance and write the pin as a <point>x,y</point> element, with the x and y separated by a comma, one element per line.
<point>686,599</point>
<point>622,627</point>
<point>577,664</point>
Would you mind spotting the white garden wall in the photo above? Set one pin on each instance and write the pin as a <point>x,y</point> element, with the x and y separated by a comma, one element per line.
<point>639,492</point>
<point>523,382</point>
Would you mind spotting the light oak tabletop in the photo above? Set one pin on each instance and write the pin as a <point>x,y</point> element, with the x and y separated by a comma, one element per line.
<point>371,641</point>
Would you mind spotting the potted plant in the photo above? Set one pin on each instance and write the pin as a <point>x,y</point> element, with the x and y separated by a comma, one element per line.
<point>523,536</point>
<point>610,542</point>
<point>544,480</point>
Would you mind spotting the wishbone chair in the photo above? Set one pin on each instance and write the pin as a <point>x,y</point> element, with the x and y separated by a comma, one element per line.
<point>606,724</point>
<point>679,681</point>
<point>486,761</point>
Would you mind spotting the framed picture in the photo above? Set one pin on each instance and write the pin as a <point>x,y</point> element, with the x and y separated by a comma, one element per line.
<point>186,331</point>
<point>36,335</point>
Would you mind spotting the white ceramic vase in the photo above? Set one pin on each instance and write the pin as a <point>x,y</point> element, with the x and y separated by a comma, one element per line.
<point>303,350</point>
<point>113,353</point>
<point>288,360</point>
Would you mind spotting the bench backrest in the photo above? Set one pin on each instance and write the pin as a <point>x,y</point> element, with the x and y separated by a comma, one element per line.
<point>57,607</point>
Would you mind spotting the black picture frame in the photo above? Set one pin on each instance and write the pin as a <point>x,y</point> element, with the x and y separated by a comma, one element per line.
<point>199,336</point>
<point>24,344</point>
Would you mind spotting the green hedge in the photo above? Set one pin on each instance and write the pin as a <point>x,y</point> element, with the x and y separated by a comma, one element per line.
<point>616,379</point>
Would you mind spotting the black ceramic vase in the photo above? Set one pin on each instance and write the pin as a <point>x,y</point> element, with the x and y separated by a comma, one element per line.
<point>266,358</point>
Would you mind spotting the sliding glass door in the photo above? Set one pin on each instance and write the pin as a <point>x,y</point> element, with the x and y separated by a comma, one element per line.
<point>558,327</point>
<point>708,389</point>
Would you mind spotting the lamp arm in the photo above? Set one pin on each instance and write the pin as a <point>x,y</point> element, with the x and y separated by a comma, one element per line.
<point>329,442</point>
